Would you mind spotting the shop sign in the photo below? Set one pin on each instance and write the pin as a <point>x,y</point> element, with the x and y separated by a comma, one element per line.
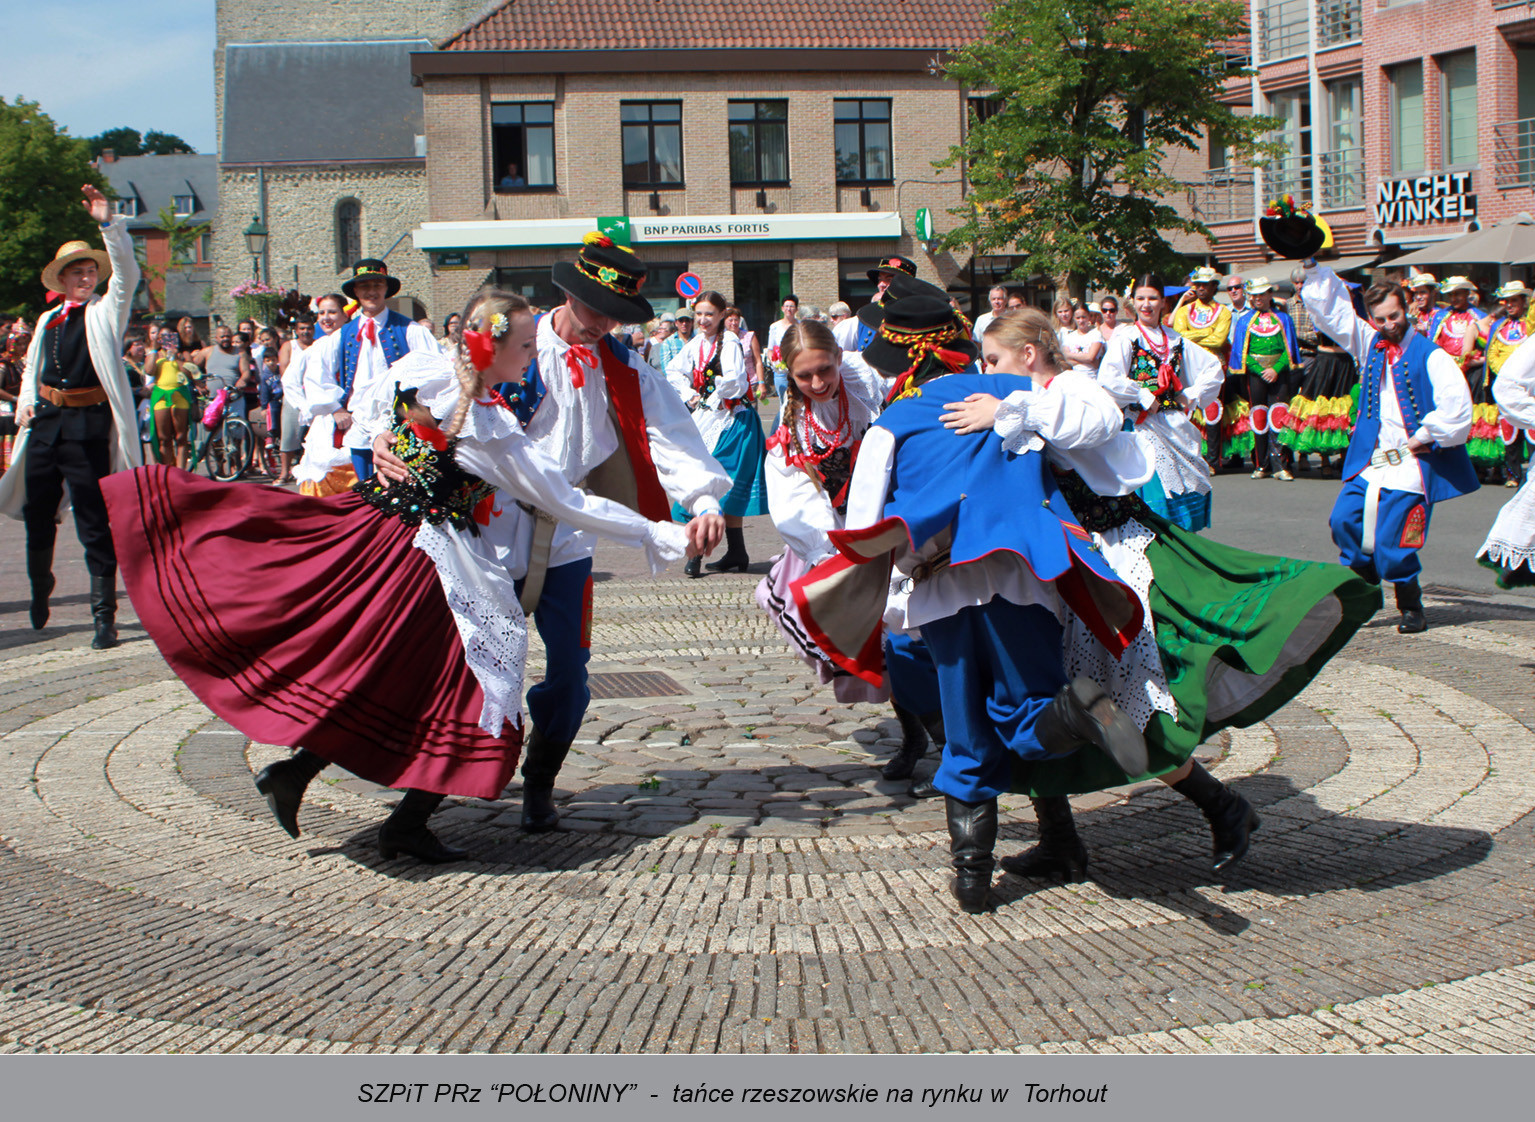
<point>1425,199</point>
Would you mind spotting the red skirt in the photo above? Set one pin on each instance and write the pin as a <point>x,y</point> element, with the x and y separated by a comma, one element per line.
<point>307,622</point>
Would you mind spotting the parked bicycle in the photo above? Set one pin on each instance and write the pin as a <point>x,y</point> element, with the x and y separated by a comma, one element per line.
<point>224,445</point>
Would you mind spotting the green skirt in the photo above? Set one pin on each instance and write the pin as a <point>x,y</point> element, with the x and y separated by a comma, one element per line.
<point>1240,634</point>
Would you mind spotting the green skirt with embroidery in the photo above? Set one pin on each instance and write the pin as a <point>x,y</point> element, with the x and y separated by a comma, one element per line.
<point>1240,634</point>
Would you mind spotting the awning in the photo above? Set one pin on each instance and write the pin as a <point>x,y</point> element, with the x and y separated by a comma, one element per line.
<point>567,232</point>
<point>1511,240</point>
<point>1358,261</point>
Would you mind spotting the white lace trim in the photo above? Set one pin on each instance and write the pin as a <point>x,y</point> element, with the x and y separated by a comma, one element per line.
<point>1009,426</point>
<point>1174,443</point>
<point>665,542</point>
<point>1135,680</point>
<point>1511,541</point>
<point>490,622</point>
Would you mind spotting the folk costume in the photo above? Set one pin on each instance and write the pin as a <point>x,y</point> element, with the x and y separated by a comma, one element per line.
<point>1412,391</point>
<point>809,468</point>
<point>715,371</point>
<point>855,333</point>
<point>615,426</point>
<point>348,364</point>
<point>1224,422</point>
<point>388,637</point>
<point>84,426</point>
<point>1323,411</point>
<point>1143,366</point>
<point>1264,343</point>
<point>1495,440</point>
<point>1510,546</point>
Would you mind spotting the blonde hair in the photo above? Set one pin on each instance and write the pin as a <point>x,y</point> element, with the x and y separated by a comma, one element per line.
<point>806,335</point>
<point>478,314</point>
<point>1017,328</point>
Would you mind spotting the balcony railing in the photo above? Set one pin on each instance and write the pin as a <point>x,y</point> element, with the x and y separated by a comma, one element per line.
<point>1282,29</point>
<point>1224,195</point>
<point>1337,21</point>
<point>1513,163</point>
<point>1342,174</point>
<point>1289,176</point>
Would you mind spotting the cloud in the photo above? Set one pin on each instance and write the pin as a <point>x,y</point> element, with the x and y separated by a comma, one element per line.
<point>96,65</point>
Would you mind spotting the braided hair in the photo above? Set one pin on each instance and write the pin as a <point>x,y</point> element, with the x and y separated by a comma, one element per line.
<point>480,315</point>
<point>806,335</point>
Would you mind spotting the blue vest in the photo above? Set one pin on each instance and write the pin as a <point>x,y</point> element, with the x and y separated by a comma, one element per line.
<point>1239,339</point>
<point>865,336</point>
<point>525,396</point>
<point>1447,472</point>
<point>392,339</point>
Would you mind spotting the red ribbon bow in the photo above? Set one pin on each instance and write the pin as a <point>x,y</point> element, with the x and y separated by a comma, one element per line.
<point>369,330</point>
<point>577,359</point>
<point>481,347</point>
<point>1393,350</point>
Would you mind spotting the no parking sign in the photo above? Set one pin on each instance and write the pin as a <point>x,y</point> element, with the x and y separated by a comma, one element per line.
<point>689,285</point>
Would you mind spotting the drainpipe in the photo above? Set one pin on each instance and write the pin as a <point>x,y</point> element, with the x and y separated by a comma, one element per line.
<point>261,210</point>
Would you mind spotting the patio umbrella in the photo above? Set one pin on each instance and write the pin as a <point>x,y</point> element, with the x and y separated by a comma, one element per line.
<point>1510,242</point>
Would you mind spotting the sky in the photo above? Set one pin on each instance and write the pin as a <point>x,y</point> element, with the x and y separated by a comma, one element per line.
<point>95,65</point>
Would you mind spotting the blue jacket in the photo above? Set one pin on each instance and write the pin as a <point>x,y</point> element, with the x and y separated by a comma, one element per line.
<point>392,339</point>
<point>524,396</point>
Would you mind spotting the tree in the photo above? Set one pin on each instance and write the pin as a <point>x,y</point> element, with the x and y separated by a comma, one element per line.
<point>165,144</point>
<point>122,142</point>
<point>1090,97</point>
<point>41,172</point>
<point>181,236</point>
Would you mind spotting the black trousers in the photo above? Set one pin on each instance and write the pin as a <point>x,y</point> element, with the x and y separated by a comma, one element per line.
<point>81,464</point>
<point>1268,452</point>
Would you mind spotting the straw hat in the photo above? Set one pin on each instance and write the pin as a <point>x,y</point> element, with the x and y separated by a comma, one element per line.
<point>68,254</point>
<point>1422,280</point>
<point>1204,275</point>
<point>1512,288</point>
<point>1456,284</point>
<point>1258,284</point>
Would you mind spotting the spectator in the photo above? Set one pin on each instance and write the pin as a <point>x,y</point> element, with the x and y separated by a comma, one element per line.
<point>775,335</point>
<point>191,341</point>
<point>426,322</point>
<point>1083,346</point>
<point>170,398</point>
<point>838,312</point>
<point>512,180</point>
<point>13,360</point>
<point>451,335</point>
<point>228,363</point>
<point>271,398</point>
<point>1108,308</point>
<point>751,351</point>
<point>997,298</point>
<point>1065,317</point>
<point>291,438</point>
<point>1015,299</point>
<point>673,344</point>
<point>1236,289</point>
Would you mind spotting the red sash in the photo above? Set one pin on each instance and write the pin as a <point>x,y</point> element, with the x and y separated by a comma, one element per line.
<point>624,391</point>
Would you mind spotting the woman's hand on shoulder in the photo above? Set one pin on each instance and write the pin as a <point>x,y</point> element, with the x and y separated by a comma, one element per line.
<point>976,413</point>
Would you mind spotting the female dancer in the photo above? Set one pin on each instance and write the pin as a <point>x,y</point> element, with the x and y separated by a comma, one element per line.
<point>1229,636</point>
<point>1159,377</point>
<point>1492,441</point>
<point>809,464</point>
<point>388,638</point>
<point>710,375</point>
<point>1510,547</point>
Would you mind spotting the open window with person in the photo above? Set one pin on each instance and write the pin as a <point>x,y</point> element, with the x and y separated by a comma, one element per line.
<point>522,146</point>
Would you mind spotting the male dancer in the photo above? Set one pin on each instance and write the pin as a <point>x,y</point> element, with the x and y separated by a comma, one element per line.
<point>346,364</point>
<point>75,415</point>
<point>853,334</point>
<point>1408,448</point>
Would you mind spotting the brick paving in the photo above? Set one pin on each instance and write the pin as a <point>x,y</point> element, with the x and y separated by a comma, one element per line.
<point>735,876</point>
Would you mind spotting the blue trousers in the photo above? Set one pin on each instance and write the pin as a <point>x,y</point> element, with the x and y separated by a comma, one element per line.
<point>362,462</point>
<point>912,677</point>
<point>563,616</point>
<point>781,383</point>
<point>999,665</point>
<point>1398,533</point>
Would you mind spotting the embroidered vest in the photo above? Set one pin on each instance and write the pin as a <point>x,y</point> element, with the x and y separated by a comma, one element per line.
<point>392,338</point>
<point>437,491</point>
<point>1447,472</point>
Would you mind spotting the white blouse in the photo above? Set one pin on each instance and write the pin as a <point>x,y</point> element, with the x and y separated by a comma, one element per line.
<point>712,415</point>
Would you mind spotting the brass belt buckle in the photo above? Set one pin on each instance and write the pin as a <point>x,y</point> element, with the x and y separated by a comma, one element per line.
<point>1393,456</point>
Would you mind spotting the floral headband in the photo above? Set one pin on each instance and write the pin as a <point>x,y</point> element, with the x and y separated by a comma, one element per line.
<point>482,344</point>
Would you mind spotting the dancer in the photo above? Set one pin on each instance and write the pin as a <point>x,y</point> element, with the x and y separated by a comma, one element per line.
<point>710,377</point>
<point>1264,352</point>
<point>1160,378</point>
<point>388,638</point>
<point>1456,329</point>
<point>1493,441</point>
<point>1229,636</point>
<point>854,334</point>
<point>75,415</point>
<point>1207,324</point>
<point>1424,302</point>
<point>1510,546</point>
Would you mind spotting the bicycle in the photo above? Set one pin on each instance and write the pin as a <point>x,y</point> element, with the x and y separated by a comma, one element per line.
<point>226,447</point>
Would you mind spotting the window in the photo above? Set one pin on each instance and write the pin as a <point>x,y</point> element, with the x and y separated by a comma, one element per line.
<point>185,253</point>
<point>533,284</point>
<point>348,233</point>
<point>1406,117</point>
<point>1343,161</point>
<point>1291,174</point>
<point>140,248</point>
<point>759,142</point>
<point>1458,107</point>
<point>183,205</point>
<point>1284,28</point>
<point>1218,156</point>
<point>522,145</point>
<point>984,108</point>
<point>652,138</point>
<point>205,248</point>
<point>128,208</point>
<point>863,141</point>
<point>660,286</point>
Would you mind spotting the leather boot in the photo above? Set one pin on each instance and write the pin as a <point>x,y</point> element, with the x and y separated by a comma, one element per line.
<point>933,722</point>
<point>40,573</point>
<point>104,612</point>
<point>1084,713</point>
<point>735,559</point>
<point>1232,818</point>
<point>972,837</point>
<point>1060,852</point>
<point>541,763</point>
<point>284,782</point>
<point>913,745</point>
<point>1409,601</point>
<point>405,831</point>
<point>694,567</point>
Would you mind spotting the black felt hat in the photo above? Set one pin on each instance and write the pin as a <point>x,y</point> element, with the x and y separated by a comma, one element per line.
<point>893,264</point>
<point>370,268</point>
<point>606,278</point>
<point>914,327</point>
<point>1290,232</point>
<point>901,286</point>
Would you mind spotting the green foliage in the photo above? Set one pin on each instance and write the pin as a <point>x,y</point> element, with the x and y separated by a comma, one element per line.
<point>128,142</point>
<point>41,172</point>
<point>181,236</point>
<point>158,143</point>
<point>1092,96</point>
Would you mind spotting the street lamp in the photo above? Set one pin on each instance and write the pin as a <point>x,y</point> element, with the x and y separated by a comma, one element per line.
<point>255,243</point>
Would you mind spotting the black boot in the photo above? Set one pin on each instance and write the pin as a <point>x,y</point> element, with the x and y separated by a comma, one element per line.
<point>694,567</point>
<point>40,573</point>
<point>913,745</point>
<point>1060,852</point>
<point>1083,713</point>
<point>972,837</point>
<point>735,559</point>
<point>405,831</point>
<point>1409,601</point>
<point>1232,818</point>
<point>933,722</point>
<point>283,783</point>
<point>541,762</point>
<point>104,612</point>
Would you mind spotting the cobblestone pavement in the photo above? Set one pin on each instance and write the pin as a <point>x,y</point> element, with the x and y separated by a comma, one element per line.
<point>735,876</point>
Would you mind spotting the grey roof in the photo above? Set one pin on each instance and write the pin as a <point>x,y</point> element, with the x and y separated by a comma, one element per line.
<point>155,181</point>
<point>320,102</point>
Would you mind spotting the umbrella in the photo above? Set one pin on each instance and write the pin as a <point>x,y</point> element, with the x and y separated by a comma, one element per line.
<point>1510,242</point>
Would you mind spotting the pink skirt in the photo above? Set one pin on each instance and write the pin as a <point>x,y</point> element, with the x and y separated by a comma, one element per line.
<point>307,622</point>
<point>775,598</point>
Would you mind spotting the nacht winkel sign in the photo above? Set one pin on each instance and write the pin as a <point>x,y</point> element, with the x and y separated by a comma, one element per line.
<point>1425,199</point>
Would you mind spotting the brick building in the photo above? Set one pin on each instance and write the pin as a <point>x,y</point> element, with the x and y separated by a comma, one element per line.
<point>1407,122</point>
<point>185,188</point>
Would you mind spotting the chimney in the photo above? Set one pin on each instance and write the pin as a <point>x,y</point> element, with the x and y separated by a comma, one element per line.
<point>108,156</point>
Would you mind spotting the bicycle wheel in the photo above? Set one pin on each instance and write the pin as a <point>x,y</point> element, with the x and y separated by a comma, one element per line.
<point>229,450</point>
